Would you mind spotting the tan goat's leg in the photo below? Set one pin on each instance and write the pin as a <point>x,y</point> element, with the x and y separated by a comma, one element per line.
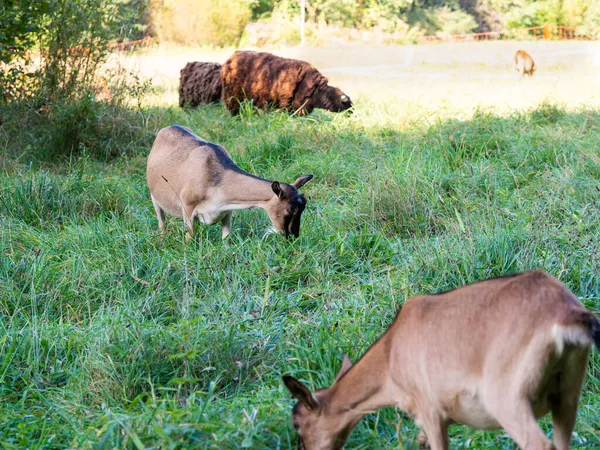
<point>160,215</point>
<point>189,221</point>
<point>422,441</point>
<point>226,225</point>
<point>564,406</point>
<point>437,433</point>
<point>516,416</point>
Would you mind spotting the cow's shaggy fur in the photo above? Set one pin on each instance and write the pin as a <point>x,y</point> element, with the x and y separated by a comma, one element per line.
<point>272,81</point>
<point>200,82</point>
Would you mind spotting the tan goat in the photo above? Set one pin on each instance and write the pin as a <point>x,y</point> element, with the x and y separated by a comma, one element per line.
<point>524,63</point>
<point>190,178</point>
<point>499,353</point>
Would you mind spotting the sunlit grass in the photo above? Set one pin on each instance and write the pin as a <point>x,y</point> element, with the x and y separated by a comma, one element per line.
<point>112,335</point>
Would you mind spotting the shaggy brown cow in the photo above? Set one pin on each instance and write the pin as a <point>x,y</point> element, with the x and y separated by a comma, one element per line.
<point>272,81</point>
<point>200,82</point>
<point>524,63</point>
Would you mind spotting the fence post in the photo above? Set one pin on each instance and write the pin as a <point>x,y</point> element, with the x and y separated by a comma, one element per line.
<point>546,32</point>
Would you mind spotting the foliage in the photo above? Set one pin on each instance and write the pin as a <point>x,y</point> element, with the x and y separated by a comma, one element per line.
<point>206,22</point>
<point>332,11</point>
<point>133,20</point>
<point>70,39</point>
<point>389,15</point>
<point>73,45</point>
<point>65,96</point>
<point>444,20</point>
<point>528,13</point>
<point>20,22</point>
<point>18,27</point>
<point>591,18</point>
<point>279,23</point>
<point>533,14</point>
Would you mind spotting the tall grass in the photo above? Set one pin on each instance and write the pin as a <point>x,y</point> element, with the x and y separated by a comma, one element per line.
<point>113,336</point>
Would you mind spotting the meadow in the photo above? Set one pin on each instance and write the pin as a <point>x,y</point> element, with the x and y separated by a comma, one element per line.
<point>449,171</point>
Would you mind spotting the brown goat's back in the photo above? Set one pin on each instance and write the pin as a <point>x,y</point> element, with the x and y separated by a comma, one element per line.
<point>269,80</point>
<point>199,83</point>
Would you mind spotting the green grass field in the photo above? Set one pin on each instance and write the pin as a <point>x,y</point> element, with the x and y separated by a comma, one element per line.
<point>113,336</point>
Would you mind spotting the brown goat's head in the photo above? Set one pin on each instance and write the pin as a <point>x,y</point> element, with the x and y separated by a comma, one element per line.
<point>319,427</point>
<point>287,205</point>
<point>331,99</point>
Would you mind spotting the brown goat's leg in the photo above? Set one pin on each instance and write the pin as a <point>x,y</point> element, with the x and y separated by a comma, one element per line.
<point>160,215</point>
<point>564,406</point>
<point>226,225</point>
<point>233,105</point>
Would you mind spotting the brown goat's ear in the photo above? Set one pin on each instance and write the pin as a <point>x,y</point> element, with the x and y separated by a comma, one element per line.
<point>302,181</point>
<point>300,392</point>
<point>346,366</point>
<point>277,189</point>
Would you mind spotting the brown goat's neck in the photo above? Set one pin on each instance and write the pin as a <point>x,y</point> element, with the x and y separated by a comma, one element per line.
<point>319,97</point>
<point>240,189</point>
<point>365,387</point>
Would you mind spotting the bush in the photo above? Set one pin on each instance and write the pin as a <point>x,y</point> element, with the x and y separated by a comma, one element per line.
<point>590,22</point>
<point>215,22</point>
<point>69,41</point>
<point>65,128</point>
<point>19,25</point>
<point>63,96</point>
<point>535,14</point>
<point>386,16</point>
<point>443,20</point>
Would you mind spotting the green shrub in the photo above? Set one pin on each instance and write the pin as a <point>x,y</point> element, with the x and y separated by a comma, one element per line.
<point>68,97</point>
<point>66,127</point>
<point>215,22</point>
<point>20,22</point>
<point>443,19</point>
<point>534,14</point>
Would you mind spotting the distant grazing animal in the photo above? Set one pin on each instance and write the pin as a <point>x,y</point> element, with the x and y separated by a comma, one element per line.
<point>272,81</point>
<point>190,178</point>
<point>500,353</point>
<point>524,63</point>
<point>200,83</point>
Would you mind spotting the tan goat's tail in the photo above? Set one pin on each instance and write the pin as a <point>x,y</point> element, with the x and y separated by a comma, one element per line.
<point>578,327</point>
<point>596,333</point>
<point>590,322</point>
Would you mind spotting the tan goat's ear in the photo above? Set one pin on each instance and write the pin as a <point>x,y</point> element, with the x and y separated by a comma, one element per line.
<point>346,365</point>
<point>302,181</point>
<point>277,189</point>
<point>300,392</point>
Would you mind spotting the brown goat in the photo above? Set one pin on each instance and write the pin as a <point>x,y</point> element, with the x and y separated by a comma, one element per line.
<point>273,81</point>
<point>524,63</point>
<point>499,353</point>
<point>200,83</point>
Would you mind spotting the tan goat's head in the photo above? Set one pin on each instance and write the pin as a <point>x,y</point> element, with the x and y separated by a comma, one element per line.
<point>318,425</point>
<point>287,205</point>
